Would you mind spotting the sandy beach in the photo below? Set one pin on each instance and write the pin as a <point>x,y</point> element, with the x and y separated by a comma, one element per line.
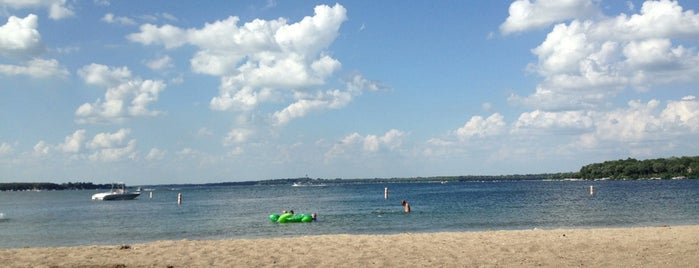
<point>673,246</point>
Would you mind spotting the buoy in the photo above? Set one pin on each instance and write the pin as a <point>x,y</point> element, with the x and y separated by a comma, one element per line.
<point>151,195</point>
<point>385,193</point>
<point>592,190</point>
<point>179,198</point>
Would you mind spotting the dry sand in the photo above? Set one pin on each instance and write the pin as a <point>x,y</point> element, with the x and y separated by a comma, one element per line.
<point>675,246</point>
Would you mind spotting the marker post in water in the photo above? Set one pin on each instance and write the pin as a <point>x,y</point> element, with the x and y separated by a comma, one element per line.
<point>592,190</point>
<point>179,198</point>
<point>385,193</point>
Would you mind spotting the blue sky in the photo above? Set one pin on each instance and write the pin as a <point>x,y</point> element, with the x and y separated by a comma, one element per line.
<point>155,92</point>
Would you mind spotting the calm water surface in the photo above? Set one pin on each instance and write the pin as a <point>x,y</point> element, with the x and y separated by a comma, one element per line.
<point>64,218</point>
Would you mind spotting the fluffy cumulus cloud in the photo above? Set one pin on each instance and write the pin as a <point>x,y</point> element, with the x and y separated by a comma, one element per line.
<point>103,147</point>
<point>112,19</point>
<point>126,96</point>
<point>237,136</point>
<point>161,63</point>
<point>20,37</point>
<point>478,126</point>
<point>38,68</point>
<point>263,60</point>
<point>331,99</point>
<point>565,121</point>
<point>644,121</point>
<point>73,143</point>
<point>20,40</point>
<point>155,154</point>
<point>640,129</point>
<point>57,9</point>
<point>355,143</point>
<point>127,151</point>
<point>306,103</point>
<point>588,61</point>
<point>108,140</point>
<point>41,148</point>
<point>684,113</point>
<point>536,14</point>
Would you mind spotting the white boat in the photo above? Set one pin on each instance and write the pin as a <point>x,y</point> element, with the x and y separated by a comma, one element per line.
<point>117,193</point>
<point>306,184</point>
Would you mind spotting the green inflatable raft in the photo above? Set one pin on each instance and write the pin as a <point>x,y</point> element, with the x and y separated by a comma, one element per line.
<point>288,217</point>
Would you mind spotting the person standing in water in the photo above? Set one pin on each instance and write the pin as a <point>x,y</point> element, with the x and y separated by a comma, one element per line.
<point>406,206</point>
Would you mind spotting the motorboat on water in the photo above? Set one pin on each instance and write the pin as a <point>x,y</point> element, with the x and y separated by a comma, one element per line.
<point>304,184</point>
<point>117,193</point>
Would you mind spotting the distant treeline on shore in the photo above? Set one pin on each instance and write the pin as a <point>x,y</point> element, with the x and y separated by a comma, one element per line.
<point>628,169</point>
<point>47,186</point>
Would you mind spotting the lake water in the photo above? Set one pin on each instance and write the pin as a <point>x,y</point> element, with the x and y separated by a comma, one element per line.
<point>66,218</point>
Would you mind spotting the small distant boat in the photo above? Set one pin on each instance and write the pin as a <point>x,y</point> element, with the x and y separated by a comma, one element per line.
<point>117,193</point>
<point>306,184</point>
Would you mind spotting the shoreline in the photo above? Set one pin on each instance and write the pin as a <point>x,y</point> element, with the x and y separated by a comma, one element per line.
<point>665,246</point>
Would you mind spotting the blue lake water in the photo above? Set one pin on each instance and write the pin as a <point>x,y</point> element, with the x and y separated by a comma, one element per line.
<point>66,218</point>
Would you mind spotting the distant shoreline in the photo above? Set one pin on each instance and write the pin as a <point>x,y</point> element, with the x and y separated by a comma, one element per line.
<point>44,186</point>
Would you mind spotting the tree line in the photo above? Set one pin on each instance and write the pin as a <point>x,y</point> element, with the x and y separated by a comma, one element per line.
<point>44,186</point>
<point>624,169</point>
<point>665,168</point>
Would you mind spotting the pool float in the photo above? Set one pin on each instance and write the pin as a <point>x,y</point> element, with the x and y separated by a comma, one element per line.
<point>288,217</point>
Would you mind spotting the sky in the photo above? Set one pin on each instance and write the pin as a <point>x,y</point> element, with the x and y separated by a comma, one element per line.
<point>160,92</point>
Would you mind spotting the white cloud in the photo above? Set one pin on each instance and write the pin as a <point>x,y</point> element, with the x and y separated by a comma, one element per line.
<point>103,147</point>
<point>586,63</point>
<point>6,149</point>
<point>168,16</point>
<point>355,143</point>
<point>162,63</point>
<point>262,60</point>
<point>112,19</point>
<point>640,129</point>
<point>155,154</point>
<point>57,9</point>
<point>332,99</point>
<point>536,14</point>
<point>244,99</point>
<point>683,113</point>
<point>237,136</point>
<point>73,143</point>
<point>126,96</point>
<point>167,35</point>
<point>38,68</point>
<point>20,38</point>
<point>358,84</point>
<point>312,34</point>
<point>108,140</point>
<point>554,121</point>
<point>115,153</point>
<point>41,148</point>
<point>656,19</point>
<point>634,124</point>
<point>107,147</point>
<point>102,75</point>
<point>477,126</point>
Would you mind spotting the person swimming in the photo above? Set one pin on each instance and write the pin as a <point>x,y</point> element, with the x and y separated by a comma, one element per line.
<point>406,206</point>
